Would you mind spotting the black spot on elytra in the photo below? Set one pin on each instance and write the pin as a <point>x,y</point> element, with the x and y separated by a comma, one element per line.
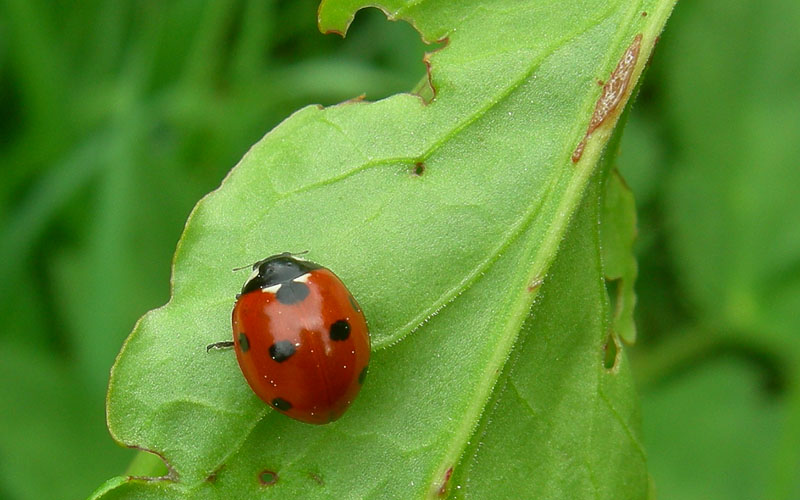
<point>340,330</point>
<point>244,344</point>
<point>353,303</point>
<point>281,351</point>
<point>363,375</point>
<point>292,293</point>
<point>281,404</point>
<point>267,477</point>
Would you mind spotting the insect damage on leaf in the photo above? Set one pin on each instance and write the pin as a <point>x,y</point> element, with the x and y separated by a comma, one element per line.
<point>267,477</point>
<point>171,475</point>
<point>443,487</point>
<point>613,94</point>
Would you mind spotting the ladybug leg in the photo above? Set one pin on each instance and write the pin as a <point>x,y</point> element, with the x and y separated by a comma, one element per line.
<point>220,345</point>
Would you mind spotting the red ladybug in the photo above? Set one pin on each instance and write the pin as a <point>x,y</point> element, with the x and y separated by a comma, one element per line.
<point>300,338</point>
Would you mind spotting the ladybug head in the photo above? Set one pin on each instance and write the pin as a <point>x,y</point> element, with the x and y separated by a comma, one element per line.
<point>276,270</point>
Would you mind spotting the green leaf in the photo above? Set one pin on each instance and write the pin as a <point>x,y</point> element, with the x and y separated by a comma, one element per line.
<point>560,425</point>
<point>618,234</point>
<point>443,218</point>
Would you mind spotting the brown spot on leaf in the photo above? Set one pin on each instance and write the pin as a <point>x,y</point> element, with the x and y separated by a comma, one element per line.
<point>535,284</point>
<point>576,155</point>
<point>212,478</point>
<point>267,477</point>
<point>614,92</point>
<point>443,488</point>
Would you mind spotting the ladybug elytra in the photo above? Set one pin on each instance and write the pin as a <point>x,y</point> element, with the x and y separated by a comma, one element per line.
<point>300,338</point>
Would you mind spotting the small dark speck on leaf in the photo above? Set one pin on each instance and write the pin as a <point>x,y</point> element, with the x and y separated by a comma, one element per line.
<point>443,488</point>
<point>267,477</point>
<point>212,478</point>
<point>317,479</point>
<point>419,169</point>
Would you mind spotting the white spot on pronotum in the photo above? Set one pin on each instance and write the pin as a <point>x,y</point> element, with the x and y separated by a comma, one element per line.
<point>271,289</point>
<point>303,278</point>
<point>253,275</point>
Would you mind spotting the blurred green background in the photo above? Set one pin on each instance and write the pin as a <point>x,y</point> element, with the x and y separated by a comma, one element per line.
<point>116,116</point>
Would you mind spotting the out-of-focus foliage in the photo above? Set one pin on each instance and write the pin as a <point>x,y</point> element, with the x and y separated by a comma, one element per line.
<point>713,157</point>
<point>116,116</point>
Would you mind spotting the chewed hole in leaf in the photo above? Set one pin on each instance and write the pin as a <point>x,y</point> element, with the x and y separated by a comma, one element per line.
<point>367,58</point>
<point>613,288</point>
<point>154,463</point>
<point>267,477</point>
<point>611,350</point>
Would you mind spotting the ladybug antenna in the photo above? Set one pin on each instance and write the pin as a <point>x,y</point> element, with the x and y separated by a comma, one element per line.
<point>284,254</point>
<point>248,266</point>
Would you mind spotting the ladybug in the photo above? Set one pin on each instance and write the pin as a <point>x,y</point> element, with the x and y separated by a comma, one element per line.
<point>300,338</point>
